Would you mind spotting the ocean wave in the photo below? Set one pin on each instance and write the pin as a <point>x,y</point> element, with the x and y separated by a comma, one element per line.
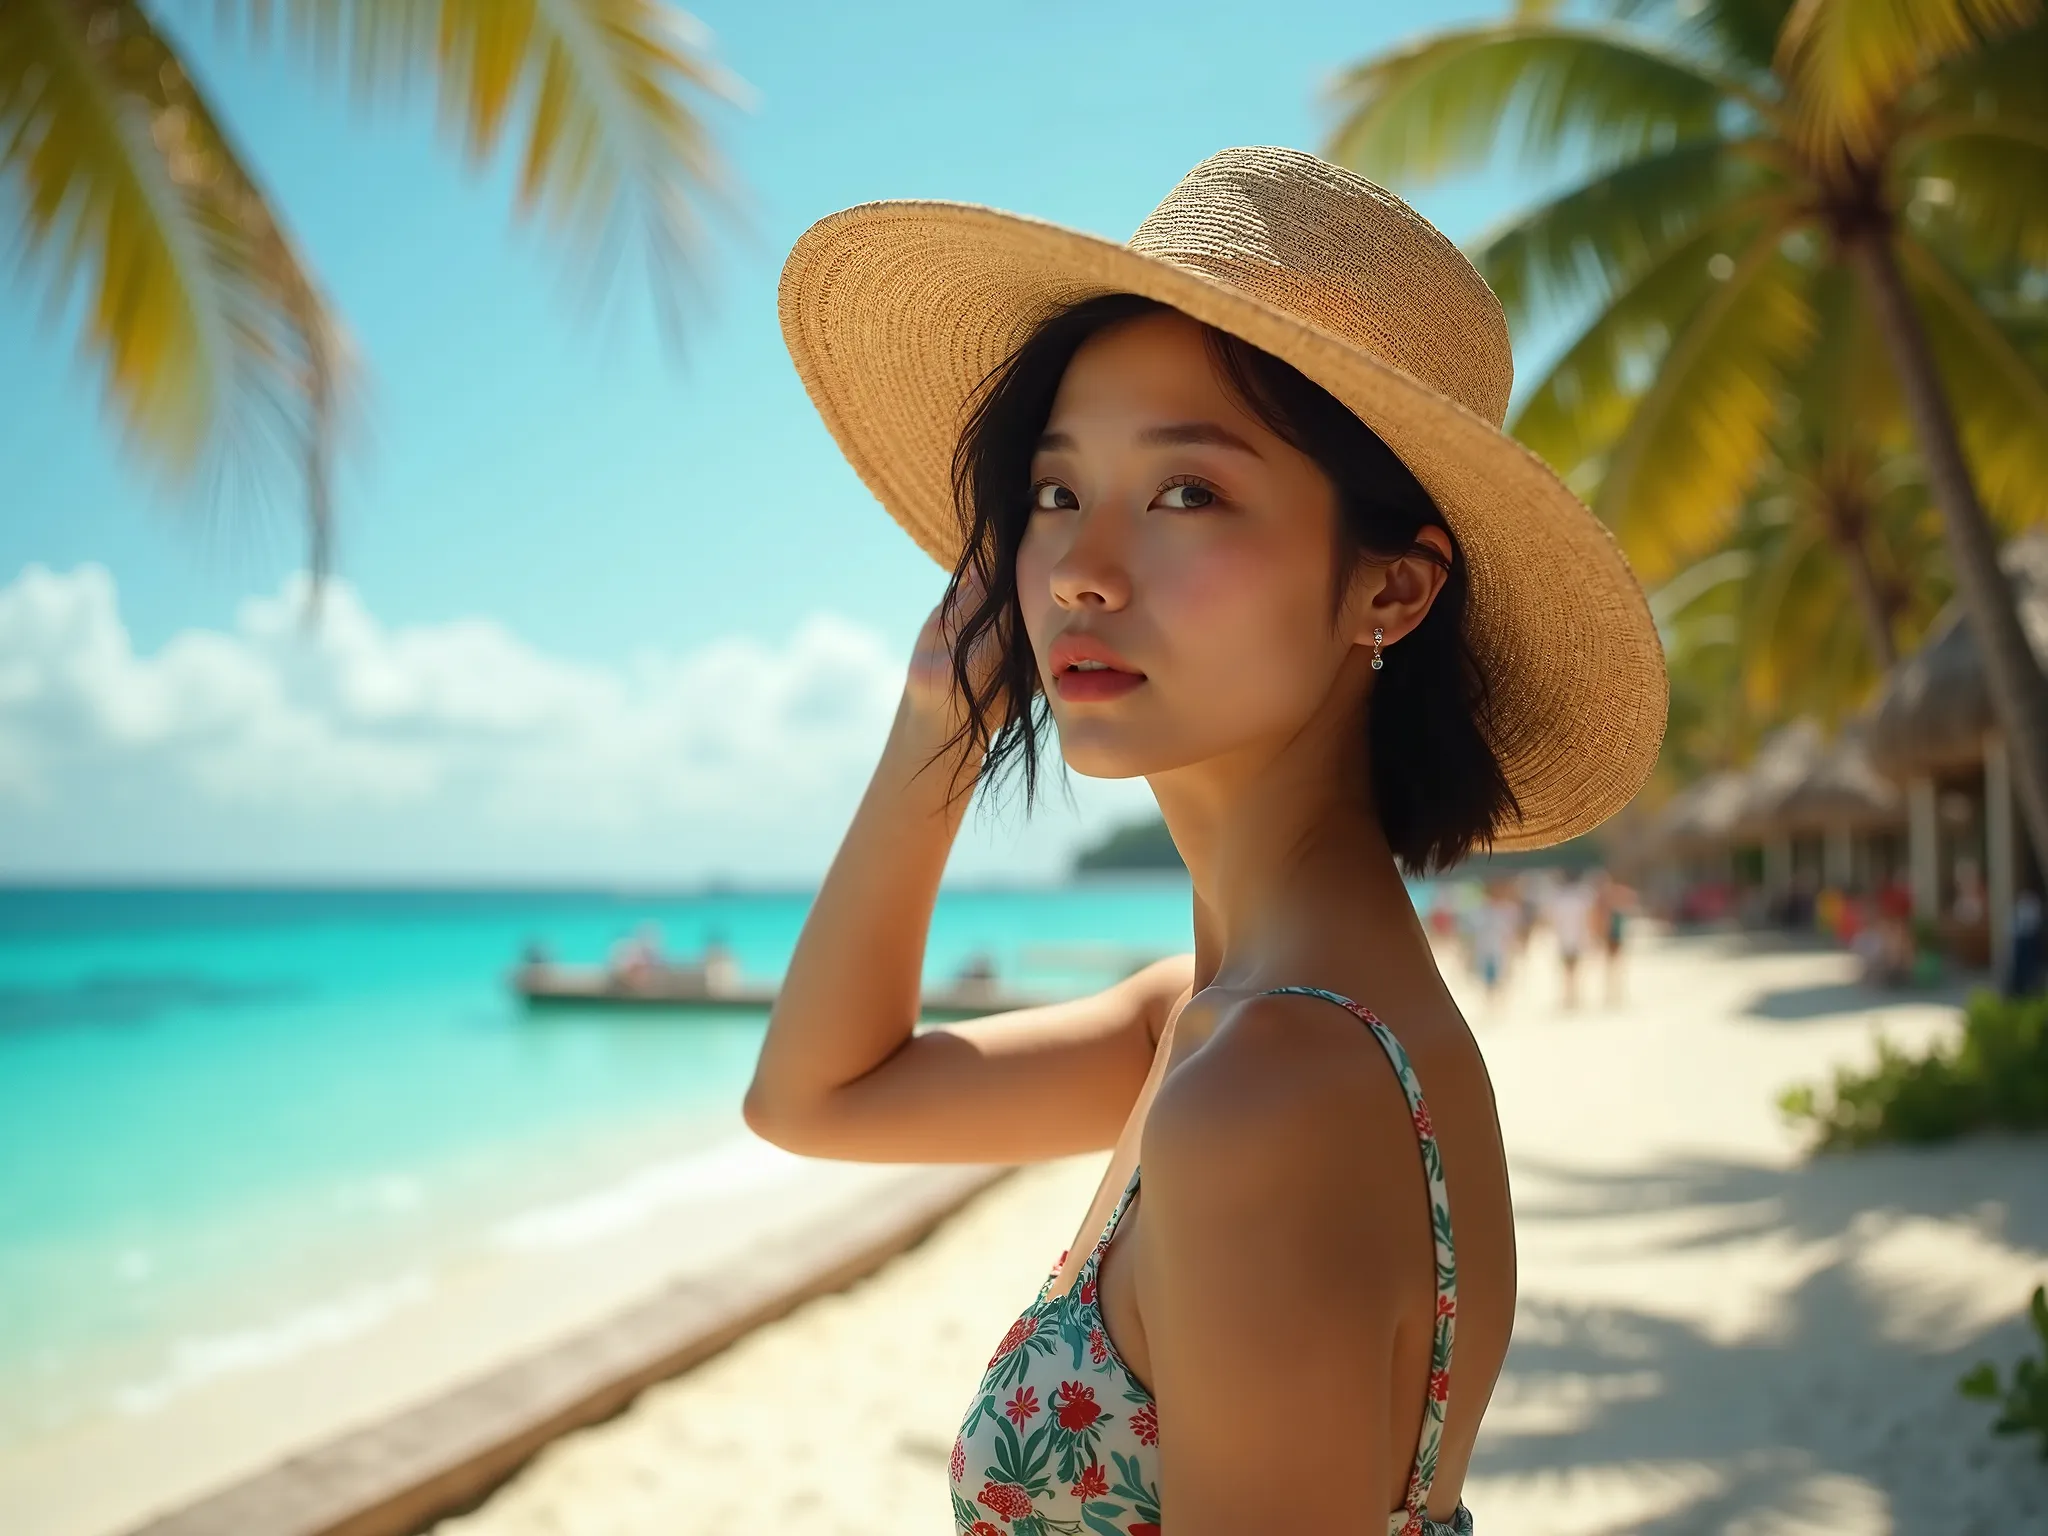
<point>194,1362</point>
<point>737,1166</point>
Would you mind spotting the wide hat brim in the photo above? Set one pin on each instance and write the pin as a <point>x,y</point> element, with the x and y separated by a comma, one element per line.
<point>895,312</point>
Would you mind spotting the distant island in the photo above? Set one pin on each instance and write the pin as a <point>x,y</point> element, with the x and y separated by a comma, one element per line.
<point>1137,845</point>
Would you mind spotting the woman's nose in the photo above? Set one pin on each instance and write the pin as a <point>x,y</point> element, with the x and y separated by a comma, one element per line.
<point>1092,571</point>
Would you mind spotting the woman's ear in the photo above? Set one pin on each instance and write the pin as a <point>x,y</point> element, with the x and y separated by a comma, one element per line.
<point>1400,599</point>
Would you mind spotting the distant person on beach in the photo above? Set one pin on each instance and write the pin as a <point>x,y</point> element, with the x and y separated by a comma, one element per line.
<point>1569,911</point>
<point>1496,935</point>
<point>1616,904</point>
<point>1227,509</point>
<point>2029,954</point>
<point>1889,951</point>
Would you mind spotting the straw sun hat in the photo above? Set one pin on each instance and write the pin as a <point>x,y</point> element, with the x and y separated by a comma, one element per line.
<point>896,311</point>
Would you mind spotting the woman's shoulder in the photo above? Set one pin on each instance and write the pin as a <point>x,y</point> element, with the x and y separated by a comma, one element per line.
<point>1285,1151</point>
<point>1287,1088</point>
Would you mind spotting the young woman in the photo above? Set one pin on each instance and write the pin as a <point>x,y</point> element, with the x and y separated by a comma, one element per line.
<point>1227,507</point>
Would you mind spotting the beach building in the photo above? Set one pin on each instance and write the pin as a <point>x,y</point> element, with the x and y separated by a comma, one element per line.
<point>1822,812</point>
<point>1805,814</point>
<point>1695,873</point>
<point>1934,731</point>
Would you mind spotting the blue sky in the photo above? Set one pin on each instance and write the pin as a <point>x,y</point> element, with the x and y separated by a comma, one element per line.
<point>560,477</point>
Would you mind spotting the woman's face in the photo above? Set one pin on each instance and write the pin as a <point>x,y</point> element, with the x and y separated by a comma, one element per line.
<point>1178,539</point>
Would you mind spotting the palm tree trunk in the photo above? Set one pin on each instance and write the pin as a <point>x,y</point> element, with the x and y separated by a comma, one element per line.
<point>2019,692</point>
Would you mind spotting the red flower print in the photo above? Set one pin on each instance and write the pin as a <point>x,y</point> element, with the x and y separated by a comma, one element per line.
<point>1446,1306</point>
<point>1020,1330</point>
<point>1413,1525</point>
<point>1023,1407</point>
<point>1145,1528</point>
<point>1145,1425</point>
<point>1440,1385</point>
<point>1075,1405</point>
<point>1007,1499</point>
<point>1098,1347</point>
<point>1422,1125</point>
<point>1088,1292</point>
<point>1094,1482</point>
<point>958,1465</point>
<point>982,1528</point>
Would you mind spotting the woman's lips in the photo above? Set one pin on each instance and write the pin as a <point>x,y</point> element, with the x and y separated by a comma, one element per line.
<point>1094,684</point>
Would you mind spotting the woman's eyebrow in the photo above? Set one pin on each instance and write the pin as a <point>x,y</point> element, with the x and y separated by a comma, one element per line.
<point>1197,433</point>
<point>1173,435</point>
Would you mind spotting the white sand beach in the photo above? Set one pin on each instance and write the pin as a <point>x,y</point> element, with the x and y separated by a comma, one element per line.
<point>1716,1333</point>
<point>229,1408</point>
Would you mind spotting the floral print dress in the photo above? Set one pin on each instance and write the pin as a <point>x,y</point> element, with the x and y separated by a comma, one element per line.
<point>1061,1440</point>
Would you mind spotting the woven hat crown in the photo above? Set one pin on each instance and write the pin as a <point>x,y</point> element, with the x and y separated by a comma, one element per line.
<point>1334,251</point>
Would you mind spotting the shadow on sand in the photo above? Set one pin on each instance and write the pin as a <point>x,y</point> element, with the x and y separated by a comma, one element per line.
<point>1764,1434</point>
<point>1831,999</point>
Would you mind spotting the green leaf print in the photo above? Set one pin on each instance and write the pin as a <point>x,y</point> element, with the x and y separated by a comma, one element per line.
<point>1130,1484</point>
<point>987,1406</point>
<point>1074,1330</point>
<point>1098,1516</point>
<point>1012,1368</point>
<point>1076,1452</point>
<point>1023,1462</point>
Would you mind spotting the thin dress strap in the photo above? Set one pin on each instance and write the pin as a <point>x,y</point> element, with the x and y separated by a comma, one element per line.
<point>1434,1409</point>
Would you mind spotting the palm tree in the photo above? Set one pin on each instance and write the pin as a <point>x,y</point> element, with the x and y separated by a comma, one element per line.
<point>1742,156</point>
<point>1770,601</point>
<point>217,343</point>
<point>1840,491</point>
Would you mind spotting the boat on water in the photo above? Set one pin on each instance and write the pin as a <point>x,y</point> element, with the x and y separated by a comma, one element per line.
<point>638,976</point>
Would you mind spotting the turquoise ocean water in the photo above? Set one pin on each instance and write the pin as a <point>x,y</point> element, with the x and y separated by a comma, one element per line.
<point>220,1110</point>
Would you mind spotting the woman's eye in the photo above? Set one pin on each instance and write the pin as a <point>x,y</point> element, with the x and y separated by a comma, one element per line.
<point>1046,497</point>
<point>1189,496</point>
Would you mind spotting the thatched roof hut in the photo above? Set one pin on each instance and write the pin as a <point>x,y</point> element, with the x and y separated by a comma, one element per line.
<point>1797,783</point>
<point>1704,813</point>
<point>1936,706</point>
<point>1823,789</point>
<point>1785,760</point>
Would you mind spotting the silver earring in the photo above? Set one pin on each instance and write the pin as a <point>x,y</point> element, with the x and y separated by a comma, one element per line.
<point>1378,660</point>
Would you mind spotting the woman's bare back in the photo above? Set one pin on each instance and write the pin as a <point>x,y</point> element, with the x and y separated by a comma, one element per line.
<point>1460,1099</point>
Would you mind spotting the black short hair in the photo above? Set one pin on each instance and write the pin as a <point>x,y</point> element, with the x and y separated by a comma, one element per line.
<point>1438,788</point>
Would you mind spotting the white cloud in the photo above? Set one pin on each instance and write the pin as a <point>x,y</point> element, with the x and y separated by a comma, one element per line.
<point>449,749</point>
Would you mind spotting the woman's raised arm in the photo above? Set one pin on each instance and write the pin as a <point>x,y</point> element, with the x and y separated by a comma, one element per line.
<point>843,1072</point>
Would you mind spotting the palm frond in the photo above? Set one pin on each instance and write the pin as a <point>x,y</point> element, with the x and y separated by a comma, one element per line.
<point>1849,61</point>
<point>1782,642</point>
<point>604,99</point>
<point>213,336</point>
<point>1442,104</point>
<point>1735,33</point>
<point>1696,439</point>
<point>1843,399</point>
<point>1999,398</point>
<point>1981,193</point>
<point>1997,82</point>
<point>1803,650</point>
<point>1592,240</point>
<point>1576,412</point>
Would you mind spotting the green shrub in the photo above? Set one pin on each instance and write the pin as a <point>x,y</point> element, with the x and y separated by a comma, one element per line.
<point>1995,1075</point>
<point>2024,1404</point>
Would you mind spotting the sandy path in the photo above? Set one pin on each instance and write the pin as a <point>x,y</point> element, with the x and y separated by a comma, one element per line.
<point>1716,1335</point>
